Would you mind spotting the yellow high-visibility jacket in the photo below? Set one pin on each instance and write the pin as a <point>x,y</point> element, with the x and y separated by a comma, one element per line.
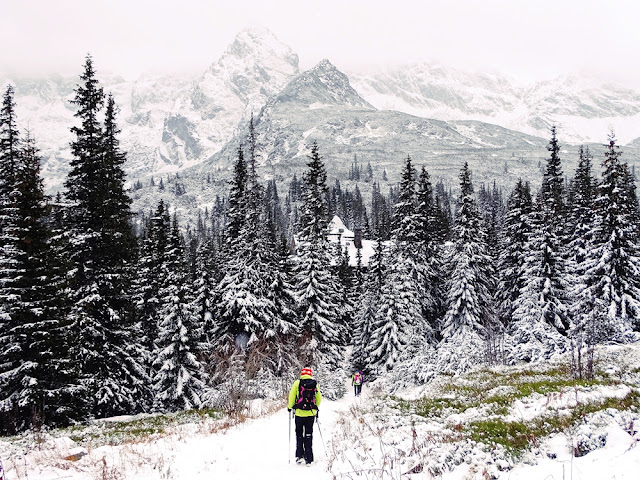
<point>293,395</point>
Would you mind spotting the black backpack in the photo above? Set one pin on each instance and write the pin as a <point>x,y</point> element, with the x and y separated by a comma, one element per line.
<point>307,395</point>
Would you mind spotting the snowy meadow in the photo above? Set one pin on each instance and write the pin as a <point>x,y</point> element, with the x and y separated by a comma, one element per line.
<point>523,422</point>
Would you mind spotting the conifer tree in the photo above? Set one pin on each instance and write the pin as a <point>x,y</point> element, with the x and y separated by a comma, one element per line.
<point>150,279</point>
<point>515,234</point>
<point>243,314</point>
<point>610,285</point>
<point>552,191</point>
<point>581,208</point>
<point>430,248</point>
<point>541,320</point>
<point>178,383</point>
<point>9,153</point>
<point>38,375</point>
<point>254,299</point>
<point>101,254</point>
<point>406,225</point>
<point>320,306</point>
<point>469,305</point>
<point>581,205</point>
<point>537,329</point>
<point>399,323</point>
<point>9,140</point>
<point>9,158</point>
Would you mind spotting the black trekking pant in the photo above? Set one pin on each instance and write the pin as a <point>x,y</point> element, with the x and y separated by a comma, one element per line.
<point>304,438</point>
<point>357,389</point>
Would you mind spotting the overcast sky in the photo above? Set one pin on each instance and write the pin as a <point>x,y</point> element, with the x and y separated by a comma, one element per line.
<point>530,39</point>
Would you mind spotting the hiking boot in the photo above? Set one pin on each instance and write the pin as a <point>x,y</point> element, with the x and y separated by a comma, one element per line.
<point>299,460</point>
<point>309,463</point>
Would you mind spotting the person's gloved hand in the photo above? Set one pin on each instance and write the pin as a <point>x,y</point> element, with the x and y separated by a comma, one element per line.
<point>288,409</point>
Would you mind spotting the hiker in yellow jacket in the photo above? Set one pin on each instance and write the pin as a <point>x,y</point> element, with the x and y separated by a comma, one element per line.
<point>304,400</point>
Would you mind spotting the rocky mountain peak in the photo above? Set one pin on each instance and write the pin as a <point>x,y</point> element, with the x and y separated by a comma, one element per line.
<point>257,52</point>
<point>255,66</point>
<point>259,44</point>
<point>322,86</point>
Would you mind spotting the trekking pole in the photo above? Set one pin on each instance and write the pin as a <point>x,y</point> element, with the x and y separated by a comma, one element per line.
<point>289,452</point>
<point>321,437</point>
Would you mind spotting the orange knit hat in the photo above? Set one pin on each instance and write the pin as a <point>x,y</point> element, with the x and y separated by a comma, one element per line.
<point>306,371</point>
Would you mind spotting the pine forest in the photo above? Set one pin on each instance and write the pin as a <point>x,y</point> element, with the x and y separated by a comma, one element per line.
<point>106,311</point>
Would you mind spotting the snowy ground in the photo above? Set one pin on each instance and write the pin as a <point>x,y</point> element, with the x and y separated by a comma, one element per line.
<point>371,438</point>
<point>257,448</point>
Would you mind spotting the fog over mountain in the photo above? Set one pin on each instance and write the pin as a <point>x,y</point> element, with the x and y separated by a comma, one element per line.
<point>435,113</point>
<point>583,109</point>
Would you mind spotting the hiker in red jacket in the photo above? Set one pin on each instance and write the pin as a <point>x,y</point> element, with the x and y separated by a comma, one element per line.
<point>357,380</point>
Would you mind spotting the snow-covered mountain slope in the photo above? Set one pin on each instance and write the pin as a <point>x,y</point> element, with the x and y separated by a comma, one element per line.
<point>254,67</point>
<point>440,116</point>
<point>583,109</point>
<point>320,105</point>
<point>634,143</point>
<point>168,122</point>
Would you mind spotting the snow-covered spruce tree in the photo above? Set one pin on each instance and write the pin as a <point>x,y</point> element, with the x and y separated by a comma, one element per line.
<point>9,158</point>
<point>399,324</point>
<point>101,251</point>
<point>515,234</point>
<point>9,141</point>
<point>207,277</point>
<point>178,383</point>
<point>320,308</point>
<point>9,149</point>
<point>236,210</point>
<point>241,317</point>
<point>254,316</point>
<point>540,321</point>
<point>367,307</point>
<point>552,190</point>
<point>150,278</point>
<point>609,284</point>
<point>264,232</point>
<point>580,221</point>
<point>38,376</point>
<point>12,350</point>
<point>394,321</point>
<point>415,360</point>
<point>430,250</point>
<point>469,304</point>
<point>580,208</point>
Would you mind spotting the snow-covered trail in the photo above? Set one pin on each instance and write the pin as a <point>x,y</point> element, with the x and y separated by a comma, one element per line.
<point>258,448</point>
